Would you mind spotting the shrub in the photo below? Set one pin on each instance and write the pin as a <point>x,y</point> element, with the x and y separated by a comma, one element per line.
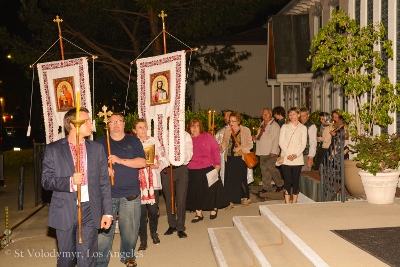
<point>18,158</point>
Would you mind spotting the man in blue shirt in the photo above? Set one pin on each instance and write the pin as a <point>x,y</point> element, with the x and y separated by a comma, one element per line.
<point>127,156</point>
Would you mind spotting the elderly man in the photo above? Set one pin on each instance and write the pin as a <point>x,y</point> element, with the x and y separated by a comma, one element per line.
<point>311,146</point>
<point>267,147</point>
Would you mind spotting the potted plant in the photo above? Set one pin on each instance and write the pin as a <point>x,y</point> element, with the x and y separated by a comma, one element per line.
<point>349,53</point>
<point>379,158</point>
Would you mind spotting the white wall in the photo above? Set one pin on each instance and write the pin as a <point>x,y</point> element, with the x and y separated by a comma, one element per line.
<point>245,91</point>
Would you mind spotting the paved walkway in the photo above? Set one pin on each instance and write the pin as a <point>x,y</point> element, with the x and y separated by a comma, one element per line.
<point>34,244</point>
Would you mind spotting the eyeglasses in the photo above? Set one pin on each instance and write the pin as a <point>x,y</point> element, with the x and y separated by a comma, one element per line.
<point>115,122</point>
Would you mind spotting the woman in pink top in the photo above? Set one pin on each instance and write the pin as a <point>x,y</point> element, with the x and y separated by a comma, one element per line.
<point>206,158</point>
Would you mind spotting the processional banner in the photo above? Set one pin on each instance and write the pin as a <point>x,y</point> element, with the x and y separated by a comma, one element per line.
<point>161,95</point>
<point>59,82</point>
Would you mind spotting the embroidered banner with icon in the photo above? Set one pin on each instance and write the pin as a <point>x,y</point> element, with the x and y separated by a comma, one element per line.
<point>161,95</point>
<point>59,81</point>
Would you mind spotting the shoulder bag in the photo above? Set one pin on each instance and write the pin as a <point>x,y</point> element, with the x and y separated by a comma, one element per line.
<point>249,158</point>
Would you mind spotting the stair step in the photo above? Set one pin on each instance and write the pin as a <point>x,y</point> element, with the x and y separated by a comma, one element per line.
<point>229,248</point>
<point>291,238</point>
<point>268,239</point>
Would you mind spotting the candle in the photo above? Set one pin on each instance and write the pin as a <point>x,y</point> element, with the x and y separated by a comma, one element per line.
<point>213,124</point>
<point>253,131</point>
<point>78,104</point>
<point>209,119</point>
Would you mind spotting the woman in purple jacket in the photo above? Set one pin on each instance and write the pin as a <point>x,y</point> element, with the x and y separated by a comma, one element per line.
<point>206,157</point>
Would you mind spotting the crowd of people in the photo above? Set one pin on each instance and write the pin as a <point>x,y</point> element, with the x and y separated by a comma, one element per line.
<point>213,176</point>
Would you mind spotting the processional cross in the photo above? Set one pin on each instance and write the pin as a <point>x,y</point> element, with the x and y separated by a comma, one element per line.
<point>162,16</point>
<point>107,114</point>
<point>58,21</point>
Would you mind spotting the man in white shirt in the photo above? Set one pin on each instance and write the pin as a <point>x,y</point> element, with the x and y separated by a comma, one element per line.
<point>311,147</point>
<point>176,221</point>
<point>267,147</point>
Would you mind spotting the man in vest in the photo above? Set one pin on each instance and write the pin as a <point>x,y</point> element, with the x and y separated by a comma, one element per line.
<point>311,146</point>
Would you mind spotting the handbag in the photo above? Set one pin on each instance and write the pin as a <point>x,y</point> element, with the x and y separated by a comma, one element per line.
<point>250,158</point>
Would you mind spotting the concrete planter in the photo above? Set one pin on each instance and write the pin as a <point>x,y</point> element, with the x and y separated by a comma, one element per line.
<point>380,189</point>
<point>352,180</point>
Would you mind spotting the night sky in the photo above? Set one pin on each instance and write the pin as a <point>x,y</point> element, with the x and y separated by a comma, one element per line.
<point>16,86</point>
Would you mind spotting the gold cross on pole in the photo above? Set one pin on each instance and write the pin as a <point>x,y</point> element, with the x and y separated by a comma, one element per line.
<point>58,21</point>
<point>162,16</point>
<point>105,114</point>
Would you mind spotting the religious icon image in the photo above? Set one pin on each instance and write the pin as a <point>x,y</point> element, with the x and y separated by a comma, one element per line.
<point>64,92</point>
<point>159,88</point>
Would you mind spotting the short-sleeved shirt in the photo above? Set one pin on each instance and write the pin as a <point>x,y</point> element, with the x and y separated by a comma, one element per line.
<point>126,179</point>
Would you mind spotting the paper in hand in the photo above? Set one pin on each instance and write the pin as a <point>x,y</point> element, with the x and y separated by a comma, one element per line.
<point>212,177</point>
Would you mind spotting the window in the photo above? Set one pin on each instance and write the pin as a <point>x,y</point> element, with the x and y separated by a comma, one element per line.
<point>317,18</point>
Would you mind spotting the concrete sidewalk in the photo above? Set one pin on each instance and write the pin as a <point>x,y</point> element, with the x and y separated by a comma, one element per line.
<point>34,244</point>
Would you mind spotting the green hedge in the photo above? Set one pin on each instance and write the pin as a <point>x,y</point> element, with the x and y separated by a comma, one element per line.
<point>248,121</point>
<point>17,158</point>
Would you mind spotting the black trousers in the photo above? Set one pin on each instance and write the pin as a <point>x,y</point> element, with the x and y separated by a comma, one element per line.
<point>291,175</point>
<point>149,212</point>
<point>181,178</point>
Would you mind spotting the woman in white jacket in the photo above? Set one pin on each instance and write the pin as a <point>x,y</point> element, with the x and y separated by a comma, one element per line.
<point>292,141</point>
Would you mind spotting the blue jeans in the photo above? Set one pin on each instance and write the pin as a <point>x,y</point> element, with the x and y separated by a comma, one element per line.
<point>129,222</point>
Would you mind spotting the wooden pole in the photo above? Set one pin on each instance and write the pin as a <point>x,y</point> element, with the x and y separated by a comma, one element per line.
<point>58,21</point>
<point>171,174</point>
<point>77,123</point>
<point>109,153</point>
<point>107,114</point>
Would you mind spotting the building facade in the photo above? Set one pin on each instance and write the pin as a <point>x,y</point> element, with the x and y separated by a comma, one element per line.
<point>314,90</point>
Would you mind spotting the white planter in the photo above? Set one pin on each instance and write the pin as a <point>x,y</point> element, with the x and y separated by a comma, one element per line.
<point>380,189</point>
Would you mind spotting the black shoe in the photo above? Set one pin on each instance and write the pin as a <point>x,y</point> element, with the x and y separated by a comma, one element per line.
<point>182,234</point>
<point>279,188</point>
<point>142,246</point>
<point>264,191</point>
<point>197,218</point>
<point>213,216</point>
<point>170,231</point>
<point>155,238</point>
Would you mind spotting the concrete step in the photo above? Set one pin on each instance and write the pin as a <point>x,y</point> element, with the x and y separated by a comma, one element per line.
<point>229,248</point>
<point>261,241</point>
<point>293,242</point>
<point>268,240</point>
